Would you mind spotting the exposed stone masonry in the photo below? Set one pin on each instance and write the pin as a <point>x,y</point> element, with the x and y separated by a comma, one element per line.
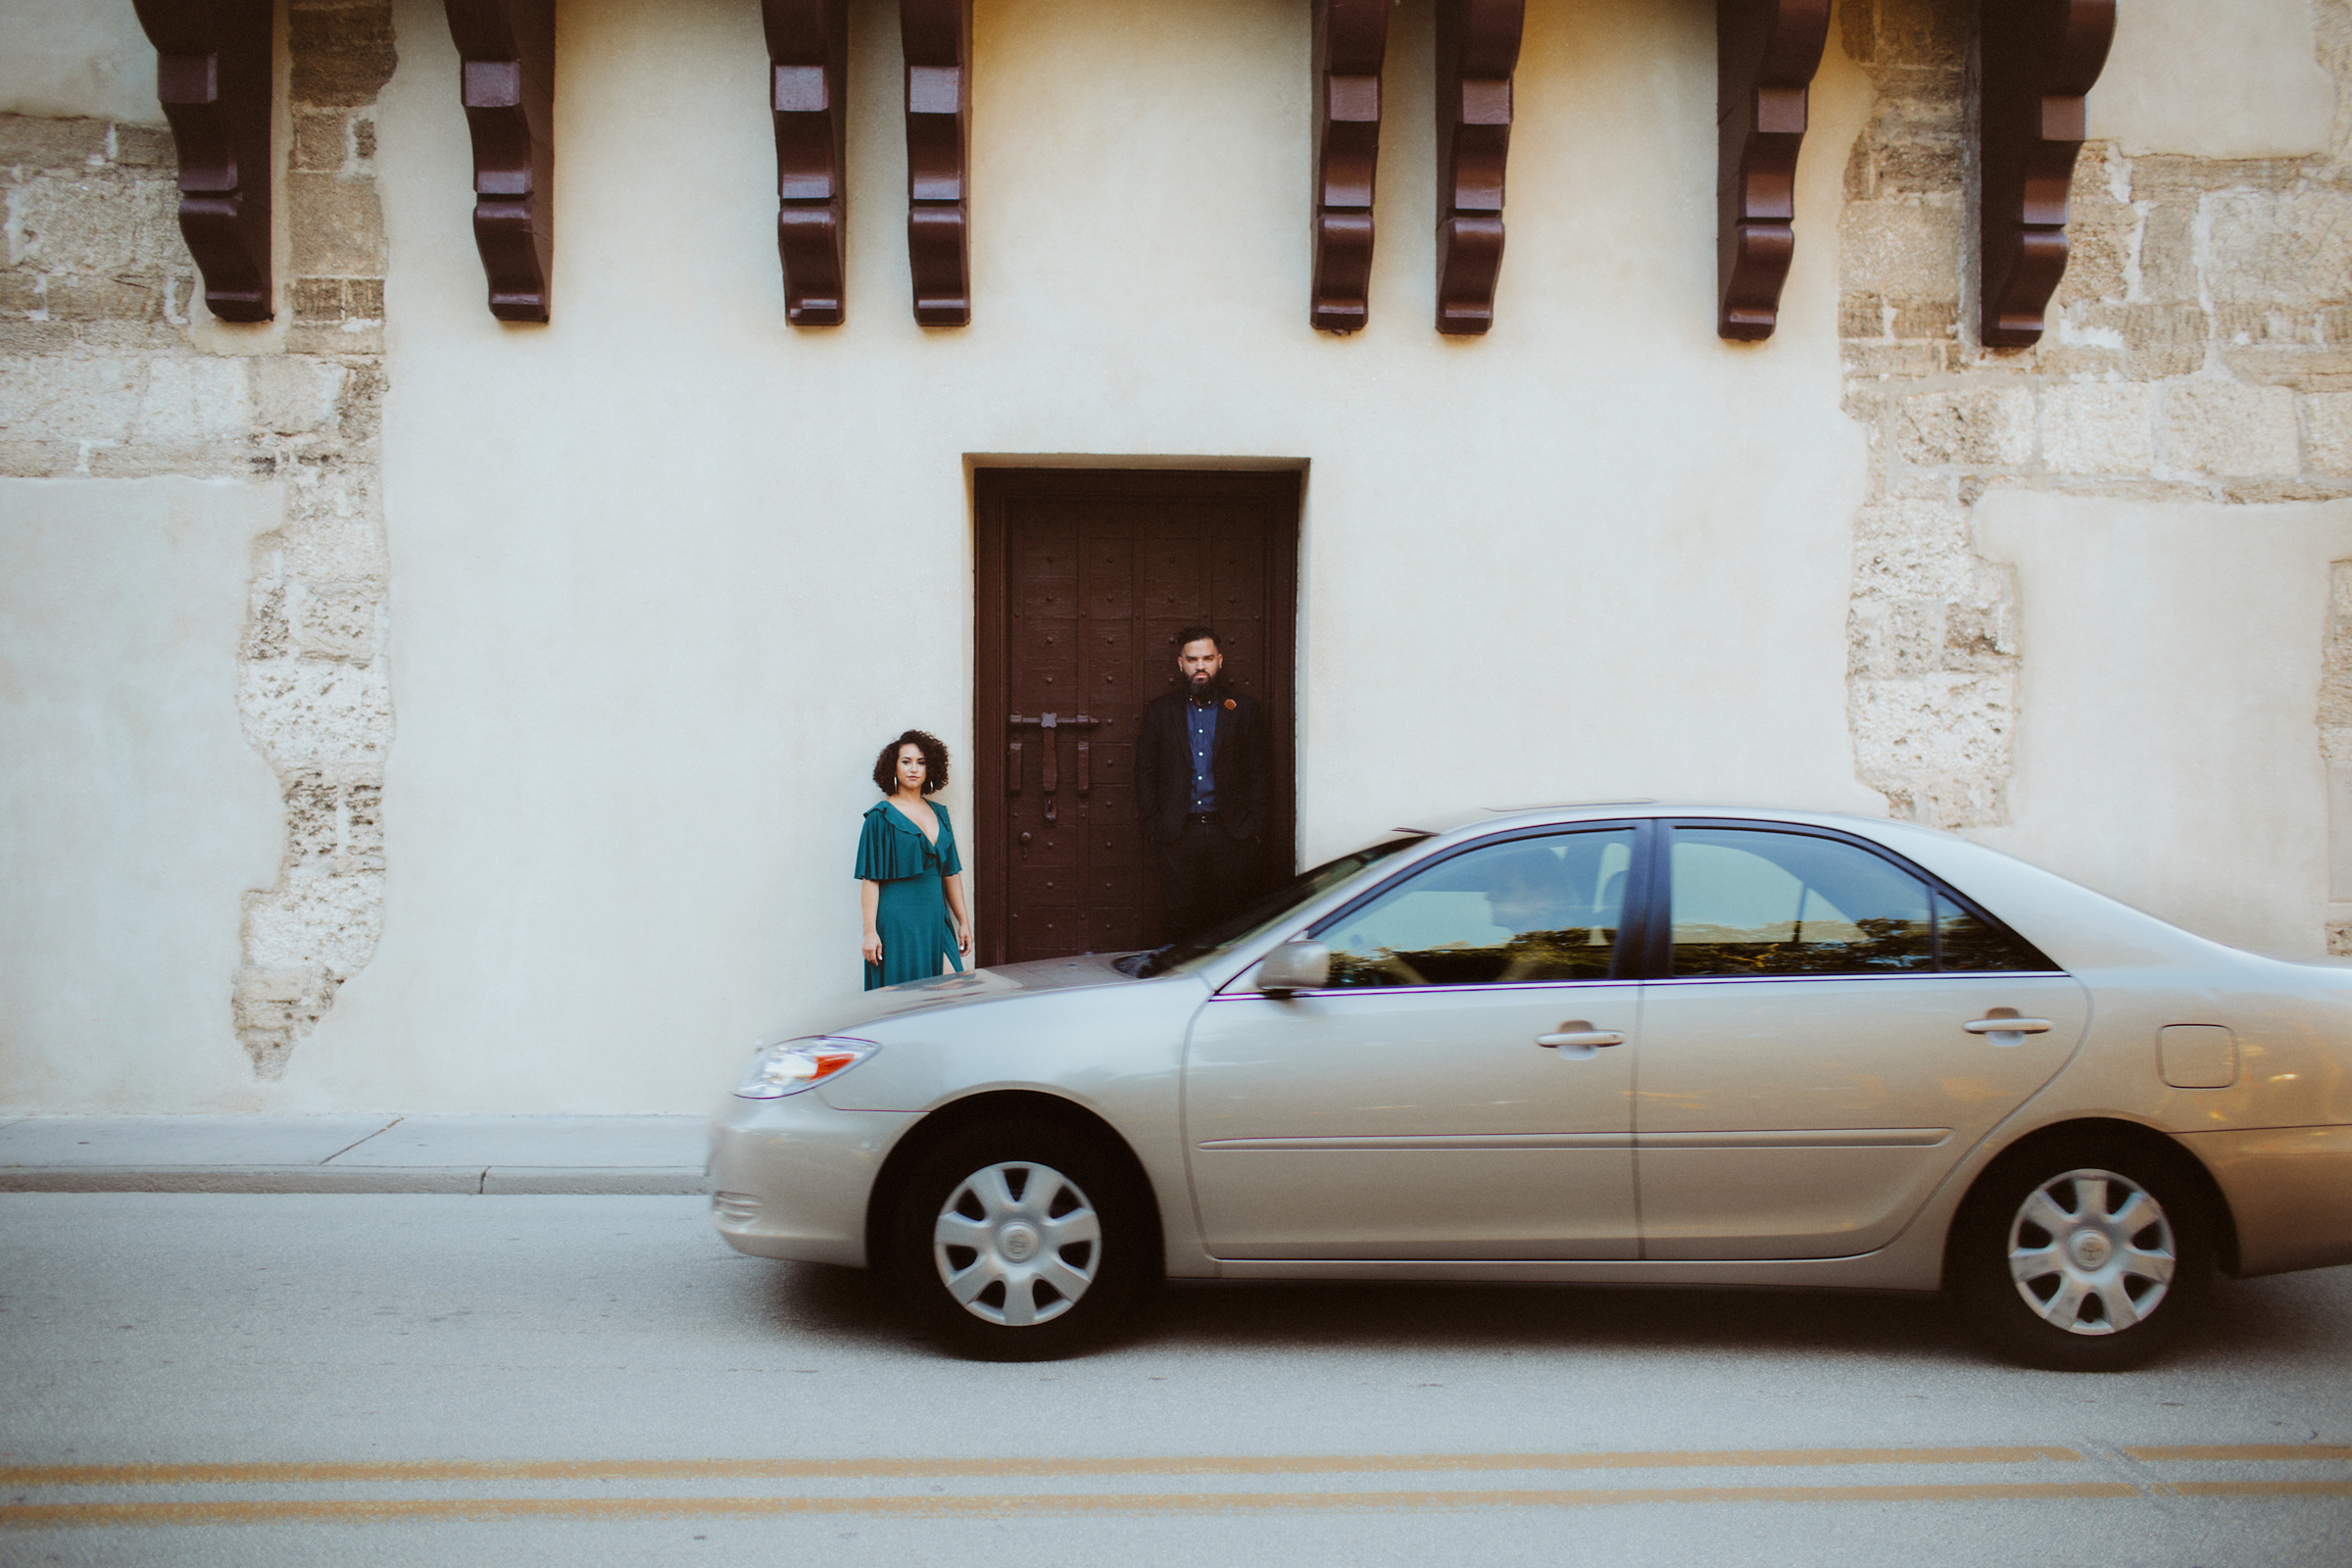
<point>105,376</point>
<point>2335,744</point>
<point>2200,349</point>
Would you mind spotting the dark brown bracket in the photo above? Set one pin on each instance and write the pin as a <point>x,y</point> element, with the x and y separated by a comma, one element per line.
<point>215,72</point>
<point>809,71</point>
<point>937,35</point>
<point>2040,60</point>
<point>1766,52</point>
<point>507,54</point>
<point>1478,49</point>
<point>1351,41</point>
<point>1050,761</point>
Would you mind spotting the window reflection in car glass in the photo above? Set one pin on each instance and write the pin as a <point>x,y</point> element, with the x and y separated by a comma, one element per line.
<point>1530,909</point>
<point>1771,904</point>
<point>1964,941</point>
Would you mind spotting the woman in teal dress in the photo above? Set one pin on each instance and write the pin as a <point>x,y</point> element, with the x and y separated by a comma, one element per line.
<point>910,875</point>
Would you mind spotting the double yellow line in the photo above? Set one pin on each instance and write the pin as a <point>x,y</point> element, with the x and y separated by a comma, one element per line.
<point>363,1510</point>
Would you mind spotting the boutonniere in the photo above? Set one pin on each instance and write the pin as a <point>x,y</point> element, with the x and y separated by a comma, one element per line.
<point>1229,701</point>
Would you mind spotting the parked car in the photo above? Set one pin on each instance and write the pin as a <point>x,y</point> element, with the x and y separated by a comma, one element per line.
<point>1626,1044</point>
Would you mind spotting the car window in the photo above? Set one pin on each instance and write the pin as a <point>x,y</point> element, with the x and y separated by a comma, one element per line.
<point>1275,905</point>
<point>1754,903</point>
<point>1967,941</point>
<point>1525,909</point>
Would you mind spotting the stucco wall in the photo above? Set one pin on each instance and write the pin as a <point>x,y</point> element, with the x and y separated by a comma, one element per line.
<point>135,813</point>
<point>653,582</point>
<point>643,666</point>
<point>2171,682</point>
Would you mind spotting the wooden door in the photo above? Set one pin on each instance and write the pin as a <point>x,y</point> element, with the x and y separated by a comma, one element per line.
<point>1085,578</point>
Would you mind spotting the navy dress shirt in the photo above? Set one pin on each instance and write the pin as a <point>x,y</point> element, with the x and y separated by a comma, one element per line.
<point>1201,726</point>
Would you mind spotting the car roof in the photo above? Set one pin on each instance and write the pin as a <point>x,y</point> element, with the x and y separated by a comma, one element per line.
<point>1490,816</point>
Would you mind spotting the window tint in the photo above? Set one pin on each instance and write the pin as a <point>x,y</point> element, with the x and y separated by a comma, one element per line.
<point>1543,908</point>
<point>1768,904</point>
<point>1966,940</point>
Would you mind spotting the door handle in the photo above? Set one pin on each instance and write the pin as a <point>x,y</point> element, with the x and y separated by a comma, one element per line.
<point>1585,1038</point>
<point>2008,1026</point>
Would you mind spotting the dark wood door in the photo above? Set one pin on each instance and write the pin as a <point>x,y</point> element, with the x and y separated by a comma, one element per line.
<point>1085,578</point>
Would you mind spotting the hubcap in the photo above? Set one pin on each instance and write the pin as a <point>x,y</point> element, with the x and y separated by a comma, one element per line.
<point>2091,1251</point>
<point>1017,1244</point>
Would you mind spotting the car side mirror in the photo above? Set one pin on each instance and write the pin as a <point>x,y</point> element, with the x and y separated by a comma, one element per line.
<point>1295,966</point>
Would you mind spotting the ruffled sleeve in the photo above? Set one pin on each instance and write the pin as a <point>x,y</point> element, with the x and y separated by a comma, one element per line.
<point>887,849</point>
<point>949,862</point>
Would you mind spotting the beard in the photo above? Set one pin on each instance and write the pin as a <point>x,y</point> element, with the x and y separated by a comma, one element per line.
<point>1200,686</point>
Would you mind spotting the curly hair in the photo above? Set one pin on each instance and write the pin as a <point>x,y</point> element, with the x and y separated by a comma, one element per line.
<point>934,763</point>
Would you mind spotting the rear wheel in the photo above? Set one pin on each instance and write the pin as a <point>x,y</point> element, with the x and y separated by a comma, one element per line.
<point>1022,1243</point>
<point>2088,1258</point>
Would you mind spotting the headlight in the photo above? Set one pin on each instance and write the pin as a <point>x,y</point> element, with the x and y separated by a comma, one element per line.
<point>797,1064</point>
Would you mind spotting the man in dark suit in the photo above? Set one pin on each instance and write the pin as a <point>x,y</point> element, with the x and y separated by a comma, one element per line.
<point>1203,774</point>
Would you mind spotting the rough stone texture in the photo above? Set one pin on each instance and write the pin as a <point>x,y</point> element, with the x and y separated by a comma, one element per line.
<point>2223,428</point>
<point>102,375</point>
<point>2335,742</point>
<point>2199,348</point>
<point>2328,433</point>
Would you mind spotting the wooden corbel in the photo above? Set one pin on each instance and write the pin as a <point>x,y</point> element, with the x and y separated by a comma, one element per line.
<point>809,68</point>
<point>1478,49</point>
<point>1352,40</point>
<point>507,51</point>
<point>2040,59</point>
<point>1766,52</point>
<point>937,35</point>
<point>214,73</point>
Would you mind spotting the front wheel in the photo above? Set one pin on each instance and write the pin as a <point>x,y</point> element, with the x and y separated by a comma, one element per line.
<point>2084,1260</point>
<point>1022,1243</point>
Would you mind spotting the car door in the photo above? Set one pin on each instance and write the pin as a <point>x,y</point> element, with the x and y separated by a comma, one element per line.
<point>1460,1089</point>
<point>1824,1042</point>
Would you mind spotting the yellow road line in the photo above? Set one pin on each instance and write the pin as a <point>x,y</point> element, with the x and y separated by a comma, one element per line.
<point>51,1516</point>
<point>2244,1450</point>
<point>155,1475</point>
<point>2257,1489</point>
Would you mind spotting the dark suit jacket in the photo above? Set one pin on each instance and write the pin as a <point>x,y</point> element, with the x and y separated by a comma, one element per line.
<point>1244,764</point>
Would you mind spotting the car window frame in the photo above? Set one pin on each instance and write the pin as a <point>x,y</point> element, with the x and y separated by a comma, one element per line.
<point>1658,913</point>
<point>1625,962</point>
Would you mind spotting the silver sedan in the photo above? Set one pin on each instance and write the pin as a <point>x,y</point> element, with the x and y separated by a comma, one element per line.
<point>1624,1044</point>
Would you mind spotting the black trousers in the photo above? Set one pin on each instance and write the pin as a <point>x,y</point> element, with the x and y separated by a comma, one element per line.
<point>1204,877</point>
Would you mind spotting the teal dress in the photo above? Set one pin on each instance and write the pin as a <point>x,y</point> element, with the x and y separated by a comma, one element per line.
<point>911,917</point>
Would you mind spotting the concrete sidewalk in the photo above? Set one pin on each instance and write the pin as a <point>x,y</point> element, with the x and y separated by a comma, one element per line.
<point>352,1154</point>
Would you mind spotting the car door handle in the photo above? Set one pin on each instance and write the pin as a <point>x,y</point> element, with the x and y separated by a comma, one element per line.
<point>2008,1026</point>
<point>1586,1038</point>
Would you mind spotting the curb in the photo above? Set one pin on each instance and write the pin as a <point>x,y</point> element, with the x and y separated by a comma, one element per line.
<point>494,1180</point>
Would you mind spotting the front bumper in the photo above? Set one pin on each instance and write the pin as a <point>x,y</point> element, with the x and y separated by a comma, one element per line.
<point>2290,1191</point>
<point>790,1178</point>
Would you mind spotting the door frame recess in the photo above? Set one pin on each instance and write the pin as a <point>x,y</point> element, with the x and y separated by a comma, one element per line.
<point>1281,490</point>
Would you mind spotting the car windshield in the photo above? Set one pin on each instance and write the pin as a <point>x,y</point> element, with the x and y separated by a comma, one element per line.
<point>1275,905</point>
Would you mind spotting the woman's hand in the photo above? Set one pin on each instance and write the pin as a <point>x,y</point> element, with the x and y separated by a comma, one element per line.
<point>963,938</point>
<point>873,945</point>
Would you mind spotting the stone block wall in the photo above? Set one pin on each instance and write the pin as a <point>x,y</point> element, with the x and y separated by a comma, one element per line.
<point>2199,349</point>
<point>111,368</point>
<point>2335,743</point>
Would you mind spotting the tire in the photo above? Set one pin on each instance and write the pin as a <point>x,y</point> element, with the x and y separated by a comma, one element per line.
<point>1017,1241</point>
<point>2086,1256</point>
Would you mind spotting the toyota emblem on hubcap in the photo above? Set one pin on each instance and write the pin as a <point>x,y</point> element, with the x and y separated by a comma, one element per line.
<point>1018,1242</point>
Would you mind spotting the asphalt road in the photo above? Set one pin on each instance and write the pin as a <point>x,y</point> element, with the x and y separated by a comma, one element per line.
<point>198,1379</point>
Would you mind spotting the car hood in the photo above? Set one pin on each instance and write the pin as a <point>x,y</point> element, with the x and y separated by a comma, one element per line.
<point>977,985</point>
